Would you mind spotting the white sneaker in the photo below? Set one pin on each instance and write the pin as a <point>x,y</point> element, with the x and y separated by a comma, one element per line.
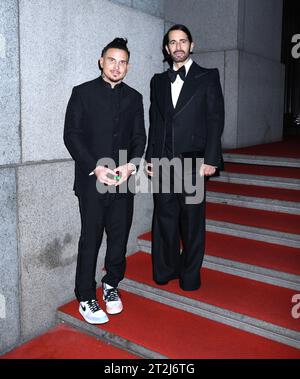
<point>112,299</point>
<point>92,313</point>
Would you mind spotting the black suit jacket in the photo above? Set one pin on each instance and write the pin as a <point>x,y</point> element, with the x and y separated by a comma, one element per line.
<point>197,120</point>
<point>88,134</point>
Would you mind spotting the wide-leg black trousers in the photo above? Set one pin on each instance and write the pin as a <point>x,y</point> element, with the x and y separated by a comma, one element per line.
<point>173,221</point>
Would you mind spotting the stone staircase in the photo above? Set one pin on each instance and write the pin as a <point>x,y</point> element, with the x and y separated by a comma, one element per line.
<point>250,274</point>
<point>262,258</point>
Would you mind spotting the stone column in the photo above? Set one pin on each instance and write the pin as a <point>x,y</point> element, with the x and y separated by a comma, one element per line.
<point>9,157</point>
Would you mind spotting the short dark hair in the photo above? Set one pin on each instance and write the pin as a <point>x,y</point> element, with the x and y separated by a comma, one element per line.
<point>166,39</point>
<point>117,43</point>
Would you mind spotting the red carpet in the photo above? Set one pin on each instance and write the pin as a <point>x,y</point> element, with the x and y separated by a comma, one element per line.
<point>249,297</point>
<point>289,148</point>
<point>251,217</point>
<point>280,172</point>
<point>178,334</point>
<point>64,342</point>
<point>255,191</point>
<point>268,255</point>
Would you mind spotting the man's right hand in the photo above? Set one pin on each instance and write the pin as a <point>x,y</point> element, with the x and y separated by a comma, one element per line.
<point>149,168</point>
<point>101,173</point>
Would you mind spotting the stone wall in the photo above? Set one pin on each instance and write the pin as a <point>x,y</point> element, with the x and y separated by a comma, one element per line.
<point>47,47</point>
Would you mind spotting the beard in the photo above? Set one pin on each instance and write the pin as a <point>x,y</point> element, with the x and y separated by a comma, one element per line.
<point>112,78</point>
<point>179,58</point>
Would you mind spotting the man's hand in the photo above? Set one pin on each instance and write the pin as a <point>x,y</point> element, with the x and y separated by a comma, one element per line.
<point>207,170</point>
<point>149,168</point>
<point>123,172</point>
<point>101,172</point>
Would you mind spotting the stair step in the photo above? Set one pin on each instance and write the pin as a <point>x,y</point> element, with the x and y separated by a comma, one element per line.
<point>252,233</point>
<point>254,192</point>
<point>260,225</point>
<point>252,202</point>
<point>174,333</point>
<point>262,171</point>
<point>262,301</point>
<point>69,314</point>
<point>255,218</point>
<point>260,175</point>
<point>259,254</point>
<point>289,148</point>
<point>66,342</point>
<point>237,320</point>
<point>261,160</point>
<point>264,262</point>
<point>254,197</point>
<point>264,181</point>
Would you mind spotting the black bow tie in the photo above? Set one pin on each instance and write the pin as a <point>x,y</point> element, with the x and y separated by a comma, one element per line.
<point>173,74</point>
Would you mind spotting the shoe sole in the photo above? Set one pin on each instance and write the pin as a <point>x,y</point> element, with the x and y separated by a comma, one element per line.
<point>90,321</point>
<point>113,311</point>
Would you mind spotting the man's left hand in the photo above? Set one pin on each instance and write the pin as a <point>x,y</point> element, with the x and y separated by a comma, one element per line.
<point>207,170</point>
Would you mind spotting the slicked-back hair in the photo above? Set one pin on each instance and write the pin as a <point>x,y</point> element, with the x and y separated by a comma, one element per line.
<point>117,43</point>
<point>166,40</point>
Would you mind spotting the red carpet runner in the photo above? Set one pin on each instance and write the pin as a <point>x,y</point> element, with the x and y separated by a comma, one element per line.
<point>259,300</point>
<point>64,342</point>
<point>268,255</point>
<point>179,334</point>
<point>280,172</point>
<point>288,148</point>
<point>282,222</point>
<point>176,333</point>
<point>255,191</point>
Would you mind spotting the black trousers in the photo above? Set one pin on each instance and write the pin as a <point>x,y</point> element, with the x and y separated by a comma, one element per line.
<point>114,215</point>
<point>175,220</point>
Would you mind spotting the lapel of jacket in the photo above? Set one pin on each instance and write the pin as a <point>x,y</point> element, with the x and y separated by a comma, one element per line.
<point>190,86</point>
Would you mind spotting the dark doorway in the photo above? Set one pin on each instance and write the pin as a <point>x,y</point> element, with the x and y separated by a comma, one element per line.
<point>290,27</point>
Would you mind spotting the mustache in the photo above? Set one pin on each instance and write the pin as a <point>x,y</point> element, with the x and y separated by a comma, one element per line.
<point>178,51</point>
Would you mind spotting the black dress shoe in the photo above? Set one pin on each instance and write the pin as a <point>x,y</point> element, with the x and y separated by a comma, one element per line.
<point>164,282</point>
<point>161,283</point>
<point>190,287</point>
<point>186,288</point>
<point>190,284</point>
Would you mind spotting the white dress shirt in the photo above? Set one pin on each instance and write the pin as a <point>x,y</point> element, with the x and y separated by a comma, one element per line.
<point>177,85</point>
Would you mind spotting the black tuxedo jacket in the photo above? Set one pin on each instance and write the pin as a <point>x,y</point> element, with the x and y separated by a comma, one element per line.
<point>87,131</point>
<point>197,120</point>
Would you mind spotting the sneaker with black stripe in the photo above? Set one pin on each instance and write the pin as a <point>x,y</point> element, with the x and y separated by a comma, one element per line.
<point>92,313</point>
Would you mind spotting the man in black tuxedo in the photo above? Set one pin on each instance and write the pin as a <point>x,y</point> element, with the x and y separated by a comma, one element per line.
<point>186,122</point>
<point>103,117</point>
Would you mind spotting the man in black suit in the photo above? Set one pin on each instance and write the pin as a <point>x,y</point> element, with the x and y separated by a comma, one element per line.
<point>186,122</point>
<point>103,117</point>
